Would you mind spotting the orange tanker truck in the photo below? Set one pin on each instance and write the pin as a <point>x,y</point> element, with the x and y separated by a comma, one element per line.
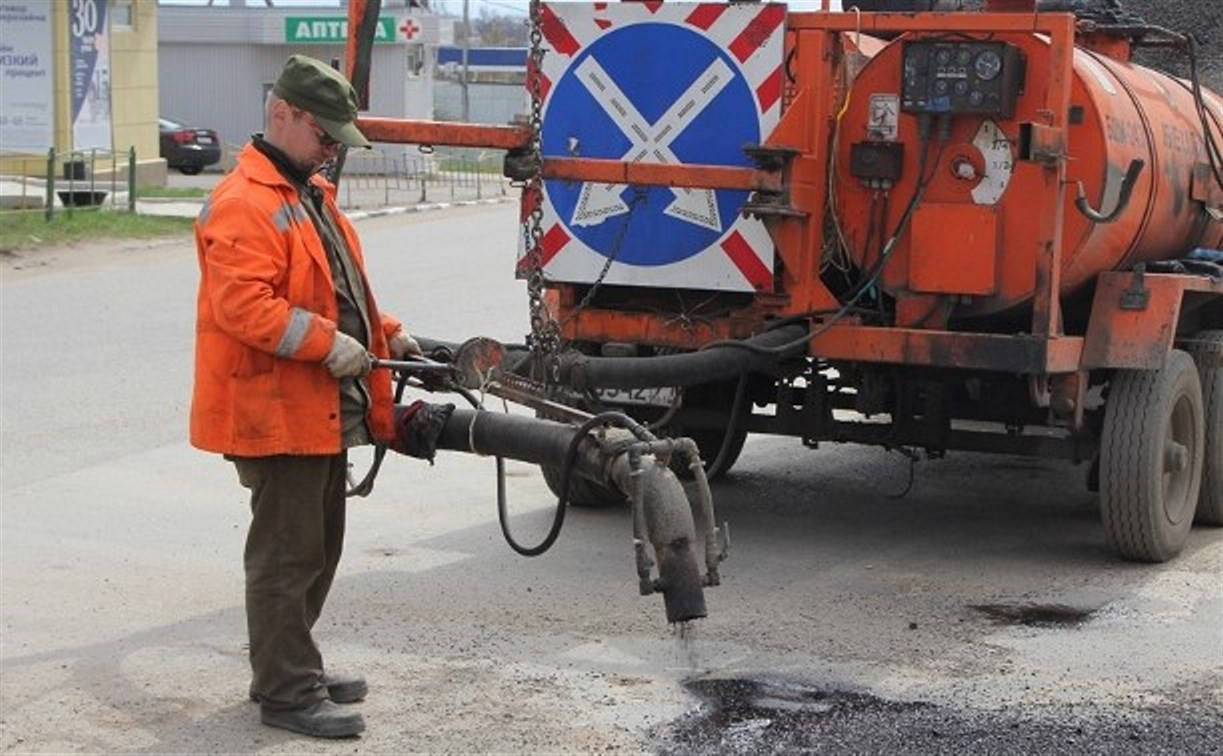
<point>930,231</point>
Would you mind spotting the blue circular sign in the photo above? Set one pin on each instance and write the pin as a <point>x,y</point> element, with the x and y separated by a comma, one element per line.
<point>672,93</point>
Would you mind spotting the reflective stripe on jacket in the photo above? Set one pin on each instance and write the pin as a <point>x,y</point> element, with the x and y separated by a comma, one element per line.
<point>266,319</point>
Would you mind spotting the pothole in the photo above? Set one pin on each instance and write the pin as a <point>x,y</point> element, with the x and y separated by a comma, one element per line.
<point>765,715</point>
<point>1035,615</point>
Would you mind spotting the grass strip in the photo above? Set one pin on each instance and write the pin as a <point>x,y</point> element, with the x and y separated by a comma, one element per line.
<point>31,230</point>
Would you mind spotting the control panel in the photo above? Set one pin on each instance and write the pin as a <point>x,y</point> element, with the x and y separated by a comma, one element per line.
<point>961,77</point>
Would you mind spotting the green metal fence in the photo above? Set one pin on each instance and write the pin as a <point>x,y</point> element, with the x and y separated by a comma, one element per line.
<point>68,181</point>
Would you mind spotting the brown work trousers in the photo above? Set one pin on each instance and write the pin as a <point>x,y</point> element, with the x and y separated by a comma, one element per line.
<point>292,550</point>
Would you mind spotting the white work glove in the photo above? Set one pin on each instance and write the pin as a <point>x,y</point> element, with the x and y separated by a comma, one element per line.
<point>402,346</point>
<point>347,357</point>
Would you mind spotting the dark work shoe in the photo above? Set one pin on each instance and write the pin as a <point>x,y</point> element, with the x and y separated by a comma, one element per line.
<point>345,689</point>
<point>341,688</point>
<point>322,720</point>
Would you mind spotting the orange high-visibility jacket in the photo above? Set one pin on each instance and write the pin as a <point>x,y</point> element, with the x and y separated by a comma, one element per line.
<point>266,318</point>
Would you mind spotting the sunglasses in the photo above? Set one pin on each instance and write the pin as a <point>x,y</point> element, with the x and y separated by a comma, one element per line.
<point>325,140</point>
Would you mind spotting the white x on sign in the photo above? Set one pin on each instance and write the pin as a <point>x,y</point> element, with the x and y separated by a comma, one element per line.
<point>598,202</point>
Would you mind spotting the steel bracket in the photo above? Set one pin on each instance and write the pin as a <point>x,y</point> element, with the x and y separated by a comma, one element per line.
<point>1138,296</point>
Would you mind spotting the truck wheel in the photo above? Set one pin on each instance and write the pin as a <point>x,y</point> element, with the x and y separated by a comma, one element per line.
<point>583,492</point>
<point>1206,348</point>
<point>709,442</point>
<point>1151,459</point>
<point>717,397</point>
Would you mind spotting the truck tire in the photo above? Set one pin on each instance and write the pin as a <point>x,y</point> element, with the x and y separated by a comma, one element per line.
<point>712,396</point>
<point>1206,348</point>
<point>1151,454</point>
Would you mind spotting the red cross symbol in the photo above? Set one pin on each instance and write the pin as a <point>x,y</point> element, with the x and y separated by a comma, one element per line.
<point>409,28</point>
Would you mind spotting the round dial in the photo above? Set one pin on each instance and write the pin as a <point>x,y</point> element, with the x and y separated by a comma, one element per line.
<point>988,65</point>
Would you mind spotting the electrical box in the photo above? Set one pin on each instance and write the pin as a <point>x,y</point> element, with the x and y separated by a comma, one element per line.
<point>957,77</point>
<point>876,160</point>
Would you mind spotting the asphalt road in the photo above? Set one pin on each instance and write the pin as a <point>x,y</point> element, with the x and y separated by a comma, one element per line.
<point>981,612</point>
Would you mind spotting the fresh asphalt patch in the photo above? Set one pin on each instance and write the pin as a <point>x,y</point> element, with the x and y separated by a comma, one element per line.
<point>770,715</point>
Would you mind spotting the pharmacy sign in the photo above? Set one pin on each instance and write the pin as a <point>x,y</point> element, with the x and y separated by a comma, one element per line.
<point>331,30</point>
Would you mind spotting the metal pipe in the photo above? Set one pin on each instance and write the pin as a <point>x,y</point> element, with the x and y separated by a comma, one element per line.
<point>359,47</point>
<point>440,133</point>
<point>640,537</point>
<point>659,174</point>
<point>672,533</point>
<point>716,542</point>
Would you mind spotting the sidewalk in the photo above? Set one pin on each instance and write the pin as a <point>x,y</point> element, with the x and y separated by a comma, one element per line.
<point>27,193</point>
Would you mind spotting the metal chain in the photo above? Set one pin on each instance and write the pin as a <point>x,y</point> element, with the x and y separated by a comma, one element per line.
<point>639,198</point>
<point>544,338</point>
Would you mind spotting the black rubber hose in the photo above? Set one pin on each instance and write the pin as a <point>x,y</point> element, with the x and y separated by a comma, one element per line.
<point>528,440</point>
<point>520,437</point>
<point>366,486</point>
<point>732,427</point>
<point>686,369</point>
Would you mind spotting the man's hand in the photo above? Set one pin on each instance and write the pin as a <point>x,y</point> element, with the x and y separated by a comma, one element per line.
<point>402,346</point>
<point>347,358</point>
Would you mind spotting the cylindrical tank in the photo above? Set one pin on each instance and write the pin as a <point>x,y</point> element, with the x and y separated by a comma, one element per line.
<point>972,237</point>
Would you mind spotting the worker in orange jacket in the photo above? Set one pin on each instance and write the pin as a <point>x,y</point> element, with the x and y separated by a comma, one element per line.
<point>283,387</point>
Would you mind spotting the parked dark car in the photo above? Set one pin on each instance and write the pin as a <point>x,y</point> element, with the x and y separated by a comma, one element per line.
<point>187,148</point>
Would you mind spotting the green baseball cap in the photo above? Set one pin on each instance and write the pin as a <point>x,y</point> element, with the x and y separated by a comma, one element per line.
<point>324,93</point>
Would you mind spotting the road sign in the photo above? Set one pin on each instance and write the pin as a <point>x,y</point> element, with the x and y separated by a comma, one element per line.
<point>659,83</point>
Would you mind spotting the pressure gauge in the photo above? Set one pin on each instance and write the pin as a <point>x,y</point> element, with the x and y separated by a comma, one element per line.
<point>911,67</point>
<point>988,65</point>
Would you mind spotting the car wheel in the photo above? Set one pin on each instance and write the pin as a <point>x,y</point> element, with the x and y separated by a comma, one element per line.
<point>190,170</point>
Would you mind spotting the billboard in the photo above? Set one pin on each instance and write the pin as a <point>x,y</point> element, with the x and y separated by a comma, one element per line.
<point>89,74</point>
<point>27,110</point>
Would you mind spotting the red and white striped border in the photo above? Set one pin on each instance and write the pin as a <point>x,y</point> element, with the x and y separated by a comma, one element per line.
<point>753,36</point>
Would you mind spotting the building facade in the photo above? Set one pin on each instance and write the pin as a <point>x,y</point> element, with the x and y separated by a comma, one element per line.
<point>496,85</point>
<point>216,64</point>
<point>45,94</point>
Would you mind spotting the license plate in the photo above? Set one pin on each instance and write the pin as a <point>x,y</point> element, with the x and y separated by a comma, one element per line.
<point>663,396</point>
<point>204,139</point>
